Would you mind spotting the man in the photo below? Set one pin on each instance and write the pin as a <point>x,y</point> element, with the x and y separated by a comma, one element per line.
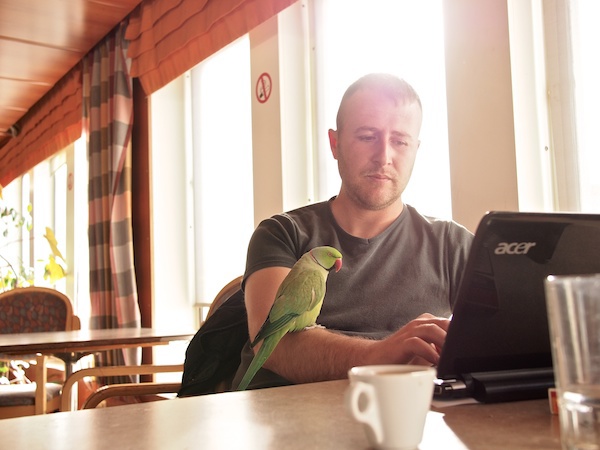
<point>401,270</point>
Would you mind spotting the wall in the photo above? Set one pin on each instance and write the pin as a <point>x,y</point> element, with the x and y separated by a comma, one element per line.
<point>480,109</point>
<point>282,180</point>
<point>266,125</point>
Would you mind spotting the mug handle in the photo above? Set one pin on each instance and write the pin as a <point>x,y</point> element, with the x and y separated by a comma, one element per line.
<point>368,415</point>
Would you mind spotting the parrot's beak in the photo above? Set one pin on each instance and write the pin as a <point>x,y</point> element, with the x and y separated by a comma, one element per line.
<point>338,264</point>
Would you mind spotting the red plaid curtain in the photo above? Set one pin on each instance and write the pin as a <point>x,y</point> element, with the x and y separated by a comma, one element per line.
<point>108,118</point>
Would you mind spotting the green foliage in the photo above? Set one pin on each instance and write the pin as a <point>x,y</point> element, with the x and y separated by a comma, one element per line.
<point>4,372</point>
<point>13,273</point>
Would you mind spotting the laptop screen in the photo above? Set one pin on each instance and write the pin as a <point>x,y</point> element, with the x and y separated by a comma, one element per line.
<point>499,319</point>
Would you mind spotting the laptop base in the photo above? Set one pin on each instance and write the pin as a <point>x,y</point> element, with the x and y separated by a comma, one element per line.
<point>499,386</point>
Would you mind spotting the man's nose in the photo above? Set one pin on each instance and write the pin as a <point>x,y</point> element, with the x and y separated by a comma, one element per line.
<point>383,152</point>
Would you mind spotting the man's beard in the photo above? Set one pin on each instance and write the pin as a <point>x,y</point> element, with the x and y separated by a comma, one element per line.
<point>373,199</point>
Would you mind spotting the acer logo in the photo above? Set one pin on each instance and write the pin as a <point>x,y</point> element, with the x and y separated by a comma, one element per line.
<point>513,248</point>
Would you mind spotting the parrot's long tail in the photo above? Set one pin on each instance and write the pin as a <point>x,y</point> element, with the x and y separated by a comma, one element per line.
<point>259,359</point>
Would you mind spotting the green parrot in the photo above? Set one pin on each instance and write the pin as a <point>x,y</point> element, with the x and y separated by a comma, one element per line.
<point>297,303</point>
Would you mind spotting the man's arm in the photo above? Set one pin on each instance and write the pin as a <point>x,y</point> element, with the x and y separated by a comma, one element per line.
<point>318,354</point>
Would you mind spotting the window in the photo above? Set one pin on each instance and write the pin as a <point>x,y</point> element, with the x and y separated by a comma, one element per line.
<point>572,45</point>
<point>76,240</point>
<point>222,166</point>
<point>201,188</point>
<point>14,248</point>
<point>59,171</point>
<point>400,37</point>
<point>586,68</point>
<point>202,182</point>
<point>55,191</point>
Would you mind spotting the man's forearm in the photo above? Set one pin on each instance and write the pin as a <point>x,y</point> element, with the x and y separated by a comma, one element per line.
<point>317,354</point>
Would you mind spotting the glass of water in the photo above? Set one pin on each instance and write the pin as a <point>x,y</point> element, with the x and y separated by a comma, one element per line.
<point>574,320</point>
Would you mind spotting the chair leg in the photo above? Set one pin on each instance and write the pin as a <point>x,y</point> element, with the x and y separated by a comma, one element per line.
<point>41,378</point>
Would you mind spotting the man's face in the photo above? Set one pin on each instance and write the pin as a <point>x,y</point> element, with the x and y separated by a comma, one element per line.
<point>375,147</point>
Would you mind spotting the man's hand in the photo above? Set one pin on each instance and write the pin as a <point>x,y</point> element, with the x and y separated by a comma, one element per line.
<point>418,342</point>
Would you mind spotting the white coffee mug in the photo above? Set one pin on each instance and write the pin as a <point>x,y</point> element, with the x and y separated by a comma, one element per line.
<point>392,402</point>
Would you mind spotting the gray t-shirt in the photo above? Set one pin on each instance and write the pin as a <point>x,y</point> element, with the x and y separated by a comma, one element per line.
<point>413,267</point>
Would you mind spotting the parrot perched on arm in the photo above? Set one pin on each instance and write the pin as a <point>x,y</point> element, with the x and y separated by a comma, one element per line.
<point>297,303</point>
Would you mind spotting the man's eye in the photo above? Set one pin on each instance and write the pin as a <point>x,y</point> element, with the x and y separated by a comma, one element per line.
<point>399,142</point>
<point>366,138</point>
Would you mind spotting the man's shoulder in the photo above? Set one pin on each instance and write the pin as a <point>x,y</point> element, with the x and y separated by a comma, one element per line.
<point>437,225</point>
<point>315,212</point>
<point>430,220</point>
<point>297,228</point>
<point>314,209</point>
<point>283,238</point>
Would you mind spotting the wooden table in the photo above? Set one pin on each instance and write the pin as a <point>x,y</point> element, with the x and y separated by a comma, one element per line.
<point>71,346</point>
<point>310,416</point>
<point>82,342</point>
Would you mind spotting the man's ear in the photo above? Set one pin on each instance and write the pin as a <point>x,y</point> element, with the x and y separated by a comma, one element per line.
<point>333,142</point>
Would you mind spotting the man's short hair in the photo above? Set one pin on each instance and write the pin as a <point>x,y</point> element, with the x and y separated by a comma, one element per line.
<point>393,87</point>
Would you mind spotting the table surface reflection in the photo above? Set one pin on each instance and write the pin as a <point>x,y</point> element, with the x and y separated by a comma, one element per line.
<point>292,417</point>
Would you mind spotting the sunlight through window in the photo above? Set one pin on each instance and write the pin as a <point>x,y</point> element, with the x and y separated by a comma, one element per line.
<point>401,37</point>
<point>586,47</point>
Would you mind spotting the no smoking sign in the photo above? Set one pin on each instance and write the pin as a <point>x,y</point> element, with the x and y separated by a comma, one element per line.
<point>263,87</point>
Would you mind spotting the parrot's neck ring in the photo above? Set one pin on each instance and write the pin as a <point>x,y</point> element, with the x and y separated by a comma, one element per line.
<point>315,260</point>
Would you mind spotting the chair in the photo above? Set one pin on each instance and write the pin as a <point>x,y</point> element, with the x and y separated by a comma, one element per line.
<point>119,389</point>
<point>30,310</point>
<point>142,388</point>
<point>228,290</point>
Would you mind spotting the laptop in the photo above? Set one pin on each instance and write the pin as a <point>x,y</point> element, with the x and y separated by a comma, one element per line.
<point>498,347</point>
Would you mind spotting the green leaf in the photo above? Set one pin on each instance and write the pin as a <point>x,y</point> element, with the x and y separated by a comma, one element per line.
<point>53,244</point>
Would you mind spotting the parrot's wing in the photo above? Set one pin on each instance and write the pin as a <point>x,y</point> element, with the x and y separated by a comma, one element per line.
<point>269,328</point>
<point>297,297</point>
<point>299,294</point>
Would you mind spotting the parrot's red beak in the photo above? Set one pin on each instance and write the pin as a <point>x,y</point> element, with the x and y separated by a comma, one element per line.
<point>338,264</point>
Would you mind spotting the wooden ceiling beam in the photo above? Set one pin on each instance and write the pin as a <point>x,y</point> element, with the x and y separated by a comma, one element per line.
<point>40,41</point>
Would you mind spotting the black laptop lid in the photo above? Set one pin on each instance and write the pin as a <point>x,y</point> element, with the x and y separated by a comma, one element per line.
<point>499,320</point>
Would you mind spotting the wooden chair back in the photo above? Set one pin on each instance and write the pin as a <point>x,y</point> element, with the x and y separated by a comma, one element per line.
<point>228,290</point>
<point>32,310</point>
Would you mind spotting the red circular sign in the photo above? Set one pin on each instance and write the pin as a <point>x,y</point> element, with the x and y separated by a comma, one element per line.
<point>263,87</point>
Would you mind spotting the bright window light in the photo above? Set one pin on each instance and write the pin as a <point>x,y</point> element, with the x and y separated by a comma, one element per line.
<point>222,159</point>
<point>401,37</point>
<point>586,47</point>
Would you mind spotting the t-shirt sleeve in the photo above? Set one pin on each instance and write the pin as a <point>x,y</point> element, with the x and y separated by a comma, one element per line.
<point>274,243</point>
